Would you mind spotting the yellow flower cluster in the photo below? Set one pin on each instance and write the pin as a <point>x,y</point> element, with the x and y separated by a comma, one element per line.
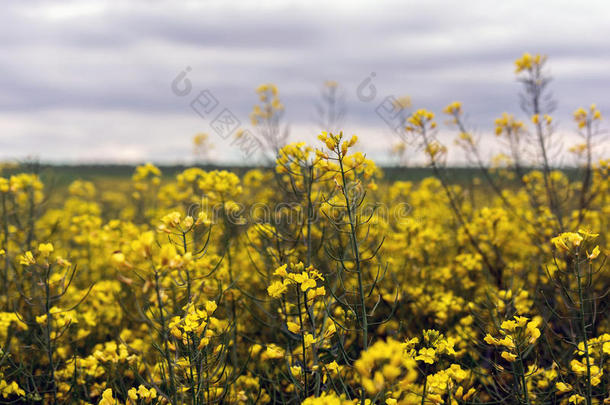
<point>142,394</point>
<point>570,242</point>
<point>305,279</point>
<point>454,108</point>
<point>269,97</point>
<point>508,125</point>
<point>7,390</point>
<point>318,280</point>
<point>195,324</point>
<point>421,120</point>
<point>529,62</point>
<point>584,118</point>
<point>147,172</point>
<point>516,335</point>
<point>333,142</point>
<point>547,119</point>
<point>434,344</point>
<point>383,365</point>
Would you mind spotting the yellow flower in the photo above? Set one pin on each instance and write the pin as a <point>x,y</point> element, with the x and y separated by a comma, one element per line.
<point>508,125</point>
<point>490,340</point>
<point>293,327</point>
<point>352,141</point>
<point>578,367</point>
<point>305,281</point>
<point>576,399</point>
<point>132,394</point>
<point>107,398</point>
<point>509,325</point>
<point>332,329</point>
<point>171,220</point>
<point>281,271</point>
<point>420,120</point>
<point>529,62</point>
<point>145,393</point>
<point>567,241</point>
<point>316,292</point>
<point>7,389</point>
<point>593,255</point>
<point>331,141</point>
<point>296,370</point>
<point>210,306</point>
<point>532,331</point>
<point>454,108</point>
<point>27,259</point>
<point>118,258</point>
<point>509,356</point>
<point>507,341</point>
<point>582,117</point>
<point>274,351</point>
<point>434,149</point>
<point>563,387</point>
<point>587,234</point>
<point>427,355</point>
<point>521,321</point>
<point>276,289</point>
<point>466,137</point>
<point>333,367</point>
<point>45,249</point>
<point>309,340</point>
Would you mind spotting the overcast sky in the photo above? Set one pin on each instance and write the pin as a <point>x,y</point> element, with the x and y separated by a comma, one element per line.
<point>91,80</point>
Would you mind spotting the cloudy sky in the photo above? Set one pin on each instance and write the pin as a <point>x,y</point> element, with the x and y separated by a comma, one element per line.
<point>90,81</point>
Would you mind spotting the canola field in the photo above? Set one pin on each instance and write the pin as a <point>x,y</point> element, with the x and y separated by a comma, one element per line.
<point>316,281</point>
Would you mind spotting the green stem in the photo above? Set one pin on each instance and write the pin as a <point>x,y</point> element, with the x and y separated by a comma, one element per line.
<point>522,375</point>
<point>309,212</point>
<point>188,275</point>
<point>423,393</point>
<point>165,337</point>
<point>49,343</point>
<point>304,369</point>
<point>584,329</point>
<point>356,254</point>
<point>309,310</point>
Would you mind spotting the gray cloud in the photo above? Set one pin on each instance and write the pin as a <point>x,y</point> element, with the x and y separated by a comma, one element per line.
<point>67,65</point>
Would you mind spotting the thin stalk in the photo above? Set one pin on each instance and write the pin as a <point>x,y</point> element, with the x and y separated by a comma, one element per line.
<point>522,375</point>
<point>536,93</point>
<point>309,310</point>
<point>48,341</point>
<point>227,241</point>
<point>164,337</point>
<point>190,346</point>
<point>356,254</point>
<point>188,275</point>
<point>423,393</point>
<point>309,213</point>
<point>586,183</point>
<point>584,328</point>
<point>306,388</point>
<point>31,222</point>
